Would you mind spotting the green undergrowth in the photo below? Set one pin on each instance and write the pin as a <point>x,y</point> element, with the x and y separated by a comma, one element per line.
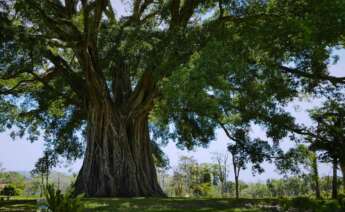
<point>191,204</point>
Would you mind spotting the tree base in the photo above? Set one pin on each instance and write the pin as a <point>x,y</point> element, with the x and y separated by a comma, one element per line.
<point>118,159</point>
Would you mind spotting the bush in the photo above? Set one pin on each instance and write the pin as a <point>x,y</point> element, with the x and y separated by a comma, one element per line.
<point>58,202</point>
<point>10,190</point>
<point>202,189</point>
<point>341,200</point>
<point>330,206</point>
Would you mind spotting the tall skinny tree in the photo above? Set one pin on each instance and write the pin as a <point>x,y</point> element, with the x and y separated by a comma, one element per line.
<point>246,150</point>
<point>222,169</point>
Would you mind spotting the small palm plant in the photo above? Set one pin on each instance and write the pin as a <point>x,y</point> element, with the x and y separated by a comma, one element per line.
<point>58,202</point>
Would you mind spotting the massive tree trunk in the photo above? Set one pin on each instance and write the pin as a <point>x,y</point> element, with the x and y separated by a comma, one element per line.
<point>118,160</point>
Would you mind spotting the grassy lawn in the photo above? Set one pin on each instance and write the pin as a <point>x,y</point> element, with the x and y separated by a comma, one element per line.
<point>166,204</point>
<point>185,204</point>
<point>18,205</point>
<point>147,204</point>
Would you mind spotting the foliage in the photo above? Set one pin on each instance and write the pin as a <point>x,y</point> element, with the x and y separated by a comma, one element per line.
<point>222,171</point>
<point>190,204</point>
<point>58,202</point>
<point>293,160</point>
<point>190,66</point>
<point>45,164</point>
<point>2,169</point>
<point>10,190</point>
<point>305,203</point>
<point>191,178</point>
<point>210,48</point>
<point>14,178</point>
<point>330,129</point>
<point>289,187</point>
<point>246,150</point>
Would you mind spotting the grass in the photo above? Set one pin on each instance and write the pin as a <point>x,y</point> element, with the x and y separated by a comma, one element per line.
<point>18,205</point>
<point>147,204</point>
<point>165,204</point>
<point>21,197</point>
<point>187,204</point>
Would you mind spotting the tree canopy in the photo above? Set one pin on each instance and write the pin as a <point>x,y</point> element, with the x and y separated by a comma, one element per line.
<point>76,71</point>
<point>209,48</point>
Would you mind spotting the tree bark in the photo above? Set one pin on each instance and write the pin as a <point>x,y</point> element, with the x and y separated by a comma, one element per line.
<point>237,187</point>
<point>342,168</point>
<point>316,177</point>
<point>335,180</point>
<point>118,160</point>
<point>42,185</point>
<point>236,173</point>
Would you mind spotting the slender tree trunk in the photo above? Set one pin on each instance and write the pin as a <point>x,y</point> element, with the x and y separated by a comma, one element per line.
<point>237,188</point>
<point>47,177</point>
<point>118,159</point>
<point>335,180</point>
<point>316,177</point>
<point>42,184</point>
<point>342,168</point>
<point>236,174</point>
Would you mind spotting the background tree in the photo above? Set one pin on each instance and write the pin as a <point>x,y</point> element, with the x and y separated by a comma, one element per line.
<point>331,134</point>
<point>13,178</point>
<point>315,174</point>
<point>2,169</point>
<point>73,67</point>
<point>44,166</point>
<point>245,151</point>
<point>222,169</point>
<point>296,161</point>
<point>193,179</point>
<point>10,190</point>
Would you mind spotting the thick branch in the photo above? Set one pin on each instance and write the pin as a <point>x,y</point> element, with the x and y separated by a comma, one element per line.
<point>143,96</point>
<point>297,72</point>
<point>73,80</point>
<point>180,15</point>
<point>13,89</point>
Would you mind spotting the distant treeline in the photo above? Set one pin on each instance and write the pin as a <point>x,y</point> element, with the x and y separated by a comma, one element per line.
<point>192,179</point>
<point>28,185</point>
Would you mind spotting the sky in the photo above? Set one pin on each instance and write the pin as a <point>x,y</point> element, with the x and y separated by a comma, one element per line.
<point>21,155</point>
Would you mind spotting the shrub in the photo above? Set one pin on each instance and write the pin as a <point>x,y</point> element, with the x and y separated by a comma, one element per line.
<point>341,200</point>
<point>202,189</point>
<point>10,190</point>
<point>330,206</point>
<point>58,202</point>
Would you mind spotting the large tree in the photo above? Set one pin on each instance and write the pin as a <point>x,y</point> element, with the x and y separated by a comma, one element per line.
<point>75,70</point>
